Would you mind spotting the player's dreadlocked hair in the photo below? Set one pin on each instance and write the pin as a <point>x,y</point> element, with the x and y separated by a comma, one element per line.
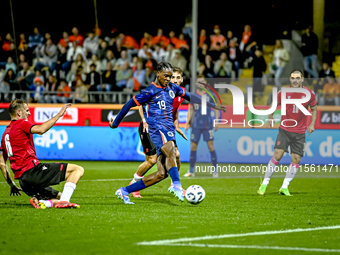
<point>164,66</point>
<point>16,105</point>
<point>176,69</point>
<point>295,71</point>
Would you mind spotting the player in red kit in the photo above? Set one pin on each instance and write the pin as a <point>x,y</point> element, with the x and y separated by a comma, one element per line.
<point>291,133</point>
<point>35,178</point>
<point>148,147</point>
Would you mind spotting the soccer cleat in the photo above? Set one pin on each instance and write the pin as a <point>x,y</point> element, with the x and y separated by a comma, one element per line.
<point>262,189</point>
<point>36,204</point>
<point>285,192</point>
<point>171,189</point>
<point>178,192</point>
<point>66,204</point>
<point>215,175</point>
<point>124,195</point>
<point>189,174</point>
<point>136,193</point>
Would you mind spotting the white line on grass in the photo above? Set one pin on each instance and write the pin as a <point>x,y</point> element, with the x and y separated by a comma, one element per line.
<point>255,247</point>
<point>200,238</point>
<point>221,177</point>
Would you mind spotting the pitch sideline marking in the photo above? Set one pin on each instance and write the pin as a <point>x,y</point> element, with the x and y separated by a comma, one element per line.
<point>256,247</point>
<point>179,241</point>
<point>200,178</point>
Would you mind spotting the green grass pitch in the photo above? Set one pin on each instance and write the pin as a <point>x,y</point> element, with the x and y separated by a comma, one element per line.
<point>232,213</point>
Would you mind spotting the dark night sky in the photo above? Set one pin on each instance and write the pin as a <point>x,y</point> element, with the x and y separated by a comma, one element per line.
<point>135,17</point>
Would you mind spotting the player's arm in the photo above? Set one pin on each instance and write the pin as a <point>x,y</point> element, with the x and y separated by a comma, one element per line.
<point>137,100</point>
<point>216,117</point>
<point>195,99</point>
<point>43,128</point>
<point>145,124</point>
<point>311,127</point>
<point>178,129</point>
<point>4,169</point>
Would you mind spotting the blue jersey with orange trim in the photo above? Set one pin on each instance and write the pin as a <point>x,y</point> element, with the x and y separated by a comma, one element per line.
<point>158,105</point>
<point>202,121</point>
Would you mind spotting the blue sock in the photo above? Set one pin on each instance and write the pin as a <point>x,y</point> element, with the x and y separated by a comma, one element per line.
<point>175,176</point>
<point>214,159</point>
<point>193,155</point>
<point>135,187</point>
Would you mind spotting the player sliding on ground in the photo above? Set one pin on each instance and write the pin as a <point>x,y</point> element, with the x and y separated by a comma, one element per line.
<point>35,178</point>
<point>290,136</point>
<point>160,96</point>
<point>148,147</point>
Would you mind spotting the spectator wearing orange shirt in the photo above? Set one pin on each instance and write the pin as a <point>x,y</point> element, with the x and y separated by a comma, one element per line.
<point>217,37</point>
<point>6,46</point>
<point>65,92</point>
<point>97,31</point>
<point>183,46</point>
<point>147,39</point>
<point>331,93</point>
<point>247,44</point>
<point>23,44</point>
<point>202,38</point>
<point>63,42</point>
<point>160,38</point>
<point>150,62</point>
<point>181,43</point>
<point>130,44</point>
<point>173,38</point>
<point>76,37</point>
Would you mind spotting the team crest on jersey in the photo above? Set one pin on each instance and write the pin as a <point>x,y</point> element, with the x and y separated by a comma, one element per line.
<point>170,133</point>
<point>172,94</point>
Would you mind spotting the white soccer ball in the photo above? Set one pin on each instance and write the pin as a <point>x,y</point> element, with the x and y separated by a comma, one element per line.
<point>195,194</point>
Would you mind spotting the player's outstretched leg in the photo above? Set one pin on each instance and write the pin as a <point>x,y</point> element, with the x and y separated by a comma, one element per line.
<point>170,163</point>
<point>142,170</point>
<point>271,167</point>
<point>73,175</point>
<point>293,169</point>
<point>147,181</point>
<point>178,162</point>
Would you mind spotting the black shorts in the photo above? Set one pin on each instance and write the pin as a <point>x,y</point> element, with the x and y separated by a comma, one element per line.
<point>294,140</point>
<point>37,180</point>
<point>149,147</point>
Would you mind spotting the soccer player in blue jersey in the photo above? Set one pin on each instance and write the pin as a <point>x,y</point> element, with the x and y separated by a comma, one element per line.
<point>159,96</point>
<point>201,124</point>
<point>148,147</point>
